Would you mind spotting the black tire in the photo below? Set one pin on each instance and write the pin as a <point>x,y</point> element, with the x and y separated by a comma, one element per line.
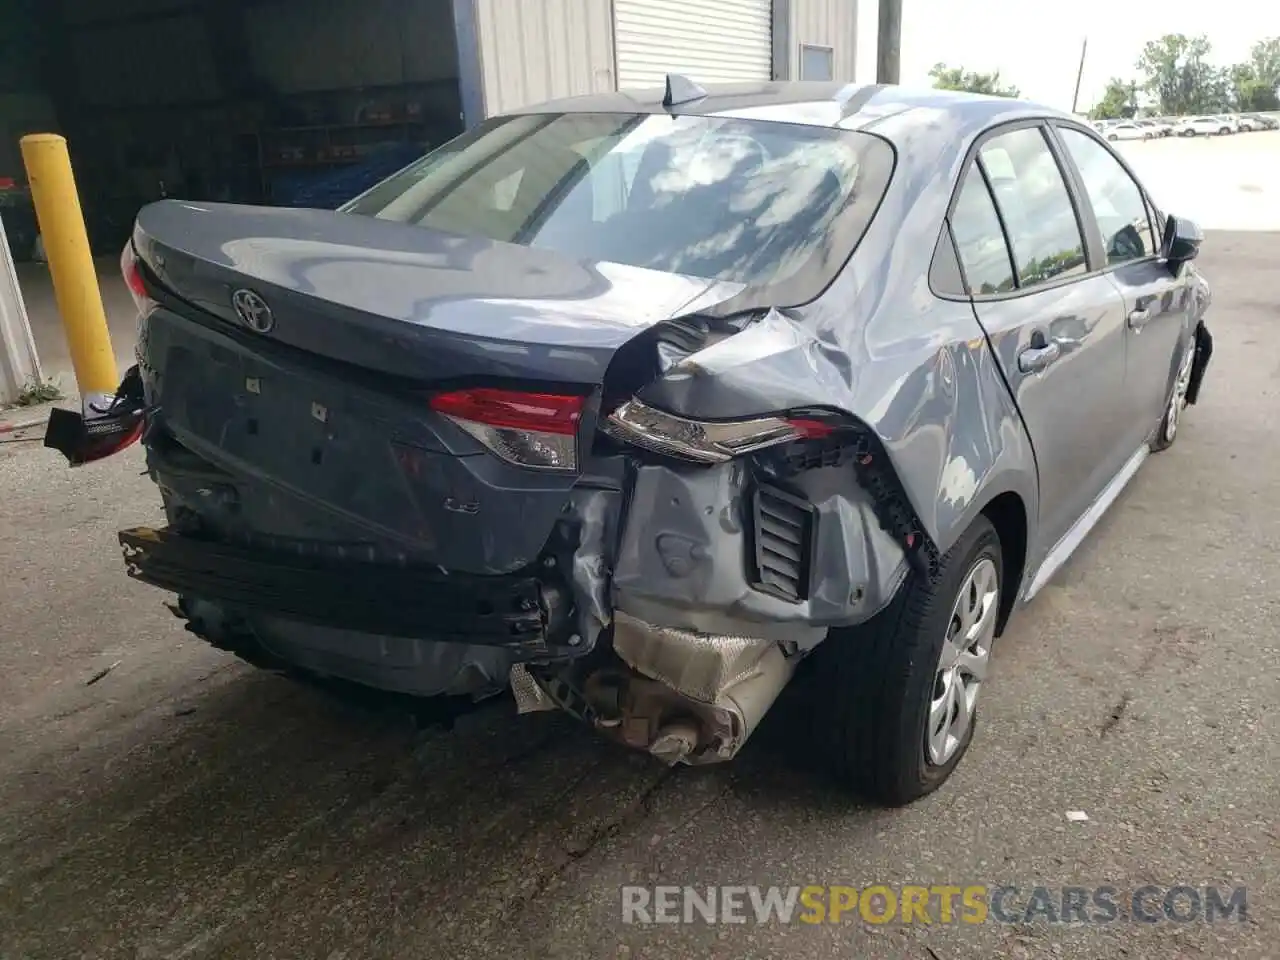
<point>1113,138</point>
<point>874,682</point>
<point>1164,438</point>
<point>1224,131</point>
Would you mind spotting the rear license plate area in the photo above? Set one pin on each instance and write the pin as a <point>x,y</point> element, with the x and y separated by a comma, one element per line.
<point>297,431</point>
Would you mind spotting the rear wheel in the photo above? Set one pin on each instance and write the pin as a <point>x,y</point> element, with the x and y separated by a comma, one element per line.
<point>1112,137</point>
<point>897,696</point>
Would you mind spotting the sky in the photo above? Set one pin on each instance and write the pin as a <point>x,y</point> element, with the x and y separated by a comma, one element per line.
<point>1037,47</point>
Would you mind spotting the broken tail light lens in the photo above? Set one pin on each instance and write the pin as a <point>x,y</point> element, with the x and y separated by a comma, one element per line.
<point>84,439</point>
<point>707,441</point>
<point>529,429</point>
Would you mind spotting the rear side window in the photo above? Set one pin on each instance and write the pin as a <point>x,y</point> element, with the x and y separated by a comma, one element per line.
<point>984,256</point>
<point>754,202</point>
<point>1116,199</point>
<point>1035,205</point>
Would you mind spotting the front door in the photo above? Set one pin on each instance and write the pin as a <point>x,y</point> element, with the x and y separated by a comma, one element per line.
<point>1156,301</point>
<point>1058,331</point>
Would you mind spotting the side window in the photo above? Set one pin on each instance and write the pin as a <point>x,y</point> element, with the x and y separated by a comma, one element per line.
<point>1116,199</point>
<point>816,63</point>
<point>1036,206</point>
<point>980,239</point>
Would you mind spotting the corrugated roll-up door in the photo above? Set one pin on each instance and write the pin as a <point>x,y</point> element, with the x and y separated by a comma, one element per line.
<point>709,41</point>
<point>535,50</point>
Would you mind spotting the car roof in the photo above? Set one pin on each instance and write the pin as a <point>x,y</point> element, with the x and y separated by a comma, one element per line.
<point>813,103</point>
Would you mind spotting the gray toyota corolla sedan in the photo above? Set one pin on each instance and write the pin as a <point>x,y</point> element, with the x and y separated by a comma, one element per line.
<point>642,405</point>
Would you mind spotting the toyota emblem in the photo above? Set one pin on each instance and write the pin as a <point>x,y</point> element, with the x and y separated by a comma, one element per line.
<point>253,311</point>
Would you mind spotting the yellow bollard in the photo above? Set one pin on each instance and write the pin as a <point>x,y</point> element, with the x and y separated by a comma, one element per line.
<point>75,284</point>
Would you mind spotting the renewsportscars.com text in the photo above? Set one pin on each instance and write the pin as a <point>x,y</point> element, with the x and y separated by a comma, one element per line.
<point>940,903</point>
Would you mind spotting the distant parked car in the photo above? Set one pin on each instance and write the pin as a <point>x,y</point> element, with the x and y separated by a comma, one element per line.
<point>1263,123</point>
<point>1206,126</point>
<point>1158,128</point>
<point>1128,130</point>
<point>1249,123</point>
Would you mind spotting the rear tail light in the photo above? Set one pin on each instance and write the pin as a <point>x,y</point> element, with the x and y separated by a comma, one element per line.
<point>86,439</point>
<point>133,276</point>
<point>529,429</point>
<point>707,441</point>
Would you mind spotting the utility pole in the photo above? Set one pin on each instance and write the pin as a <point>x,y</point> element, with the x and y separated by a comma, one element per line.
<point>889,42</point>
<point>1075,97</point>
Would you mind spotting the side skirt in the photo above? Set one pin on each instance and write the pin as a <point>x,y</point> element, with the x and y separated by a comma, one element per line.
<point>1065,547</point>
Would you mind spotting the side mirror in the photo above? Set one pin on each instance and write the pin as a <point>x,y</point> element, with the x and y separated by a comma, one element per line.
<point>1181,242</point>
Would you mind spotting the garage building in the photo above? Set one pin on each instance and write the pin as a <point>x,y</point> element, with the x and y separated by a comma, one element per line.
<point>308,101</point>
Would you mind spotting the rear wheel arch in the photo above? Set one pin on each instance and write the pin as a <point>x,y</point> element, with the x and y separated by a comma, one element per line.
<point>1008,514</point>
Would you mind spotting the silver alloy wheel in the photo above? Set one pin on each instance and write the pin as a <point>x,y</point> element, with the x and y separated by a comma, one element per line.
<point>962,666</point>
<point>1178,399</point>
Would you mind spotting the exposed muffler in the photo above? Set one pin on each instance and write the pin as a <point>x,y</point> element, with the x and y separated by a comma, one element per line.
<point>684,697</point>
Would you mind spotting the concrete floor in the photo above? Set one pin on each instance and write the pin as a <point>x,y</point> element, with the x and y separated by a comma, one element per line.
<point>187,806</point>
<point>1223,183</point>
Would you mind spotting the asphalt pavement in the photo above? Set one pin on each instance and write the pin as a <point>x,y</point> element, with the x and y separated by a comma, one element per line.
<point>180,804</point>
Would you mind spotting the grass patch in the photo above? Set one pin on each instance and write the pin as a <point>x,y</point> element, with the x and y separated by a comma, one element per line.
<point>37,392</point>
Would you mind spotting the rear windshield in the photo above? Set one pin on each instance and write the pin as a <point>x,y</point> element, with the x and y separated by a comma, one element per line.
<point>755,202</point>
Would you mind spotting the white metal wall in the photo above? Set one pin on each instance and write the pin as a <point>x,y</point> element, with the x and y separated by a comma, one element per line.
<point>826,23</point>
<point>532,50</point>
<point>710,41</point>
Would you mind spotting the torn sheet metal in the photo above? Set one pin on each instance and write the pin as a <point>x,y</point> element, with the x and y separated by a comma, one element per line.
<point>773,364</point>
<point>687,552</point>
<point>594,514</point>
<point>858,565</point>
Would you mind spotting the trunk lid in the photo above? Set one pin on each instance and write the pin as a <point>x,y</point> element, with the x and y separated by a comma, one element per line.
<point>408,301</point>
<point>313,434</point>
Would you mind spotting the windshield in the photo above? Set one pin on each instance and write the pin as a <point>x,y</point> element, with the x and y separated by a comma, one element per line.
<point>754,202</point>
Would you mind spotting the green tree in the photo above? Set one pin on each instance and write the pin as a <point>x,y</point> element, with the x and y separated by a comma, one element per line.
<point>1177,72</point>
<point>1250,93</point>
<point>956,78</point>
<point>1264,60</point>
<point>1119,101</point>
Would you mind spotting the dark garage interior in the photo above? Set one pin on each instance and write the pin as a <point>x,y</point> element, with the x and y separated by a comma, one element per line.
<point>283,102</point>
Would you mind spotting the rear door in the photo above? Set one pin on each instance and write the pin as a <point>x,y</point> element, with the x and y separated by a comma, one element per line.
<point>1156,301</point>
<point>1057,328</point>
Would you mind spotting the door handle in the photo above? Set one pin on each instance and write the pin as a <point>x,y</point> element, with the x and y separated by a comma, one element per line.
<point>1035,359</point>
<point>1138,319</point>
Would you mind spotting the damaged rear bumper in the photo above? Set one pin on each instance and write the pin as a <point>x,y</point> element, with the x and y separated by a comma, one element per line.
<point>517,612</point>
<point>668,611</point>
